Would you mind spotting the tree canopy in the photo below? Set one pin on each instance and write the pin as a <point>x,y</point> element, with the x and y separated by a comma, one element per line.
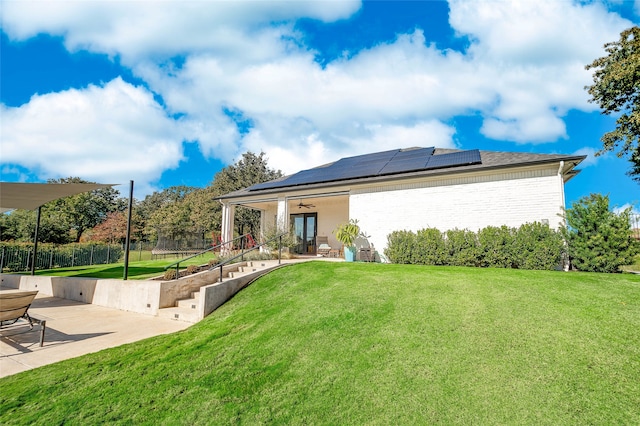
<point>616,89</point>
<point>248,170</point>
<point>599,239</point>
<point>175,212</point>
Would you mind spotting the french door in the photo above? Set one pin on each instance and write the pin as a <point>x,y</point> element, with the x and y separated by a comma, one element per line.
<point>304,229</point>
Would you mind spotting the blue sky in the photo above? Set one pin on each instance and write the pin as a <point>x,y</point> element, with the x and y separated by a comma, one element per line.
<point>167,93</point>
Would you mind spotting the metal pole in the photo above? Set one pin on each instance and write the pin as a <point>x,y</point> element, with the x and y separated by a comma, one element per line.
<point>35,243</point>
<point>128,240</point>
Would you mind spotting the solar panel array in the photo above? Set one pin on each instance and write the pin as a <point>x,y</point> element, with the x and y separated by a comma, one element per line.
<point>378,164</point>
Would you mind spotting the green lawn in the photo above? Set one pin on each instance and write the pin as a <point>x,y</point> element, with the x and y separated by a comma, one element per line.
<point>138,270</point>
<point>337,343</point>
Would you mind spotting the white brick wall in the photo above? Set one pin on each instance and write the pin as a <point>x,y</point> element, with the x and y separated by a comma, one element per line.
<point>472,203</point>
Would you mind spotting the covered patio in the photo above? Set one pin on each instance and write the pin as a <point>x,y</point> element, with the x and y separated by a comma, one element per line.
<point>307,215</point>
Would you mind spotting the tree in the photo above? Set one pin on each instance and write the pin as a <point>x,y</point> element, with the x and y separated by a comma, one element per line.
<point>616,89</point>
<point>165,213</point>
<point>599,240</point>
<point>248,170</point>
<point>19,225</point>
<point>86,210</point>
<point>114,228</point>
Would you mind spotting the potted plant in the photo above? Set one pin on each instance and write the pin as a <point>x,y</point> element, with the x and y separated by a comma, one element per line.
<point>347,233</point>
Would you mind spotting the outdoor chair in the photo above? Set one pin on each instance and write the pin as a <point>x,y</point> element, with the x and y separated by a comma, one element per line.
<point>13,311</point>
<point>322,243</point>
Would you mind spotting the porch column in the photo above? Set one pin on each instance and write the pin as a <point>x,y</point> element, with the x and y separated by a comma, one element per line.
<point>228,213</point>
<point>263,224</point>
<point>283,214</point>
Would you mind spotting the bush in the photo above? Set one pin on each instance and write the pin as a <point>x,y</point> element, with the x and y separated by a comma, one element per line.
<point>599,240</point>
<point>400,246</point>
<point>495,247</point>
<point>537,246</point>
<point>192,269</point>
<point>532,246</point>
<point>462,247</point>
<point>170,274</point>
<point>429,248</point>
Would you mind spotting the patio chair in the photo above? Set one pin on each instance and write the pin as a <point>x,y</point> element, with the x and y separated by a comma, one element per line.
<point>322,243</point>
<point>13,311</point>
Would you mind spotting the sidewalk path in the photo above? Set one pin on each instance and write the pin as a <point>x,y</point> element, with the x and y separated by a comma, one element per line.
<point>75,329</point>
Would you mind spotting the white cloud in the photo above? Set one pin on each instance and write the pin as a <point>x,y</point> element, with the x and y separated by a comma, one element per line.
<point>141,28</point>
<point>523,71</point>
<point>106,134</point>
<point>293,153</point>
<point>634,211</point>
<point>591,159</point>
<point>534,53</point>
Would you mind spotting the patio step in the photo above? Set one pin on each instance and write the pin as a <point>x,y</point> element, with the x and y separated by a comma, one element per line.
<point>187,309</point>
<point>191,303</point>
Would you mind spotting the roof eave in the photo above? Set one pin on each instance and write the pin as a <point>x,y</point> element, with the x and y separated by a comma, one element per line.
<point>576,159</point>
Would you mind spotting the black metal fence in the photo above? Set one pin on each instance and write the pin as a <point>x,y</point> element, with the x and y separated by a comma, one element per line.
<point>18,257</point>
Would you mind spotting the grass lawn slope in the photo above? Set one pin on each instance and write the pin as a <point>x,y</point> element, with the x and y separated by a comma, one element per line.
<point>138,270</point>
<point>336,343</point>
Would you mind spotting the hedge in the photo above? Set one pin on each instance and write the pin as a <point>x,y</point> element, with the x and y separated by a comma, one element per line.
<point>531,246</point>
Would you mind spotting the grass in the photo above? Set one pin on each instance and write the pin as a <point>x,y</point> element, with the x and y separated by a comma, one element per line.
<point>138,270</point>
<point>335,343</point>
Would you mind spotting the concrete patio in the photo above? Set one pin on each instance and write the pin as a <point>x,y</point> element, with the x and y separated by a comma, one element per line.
<point>74,329</point>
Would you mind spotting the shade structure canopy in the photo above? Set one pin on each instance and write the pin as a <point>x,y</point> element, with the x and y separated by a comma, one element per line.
<point>30,196</point>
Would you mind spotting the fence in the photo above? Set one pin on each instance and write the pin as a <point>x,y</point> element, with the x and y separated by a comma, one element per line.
<point>17,257</point>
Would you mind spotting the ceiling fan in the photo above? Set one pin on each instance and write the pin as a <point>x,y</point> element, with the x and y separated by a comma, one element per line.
<point>308,206</point>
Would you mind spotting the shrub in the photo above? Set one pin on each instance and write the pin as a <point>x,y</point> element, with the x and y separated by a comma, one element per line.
<point>192,269</point>
<point>462,247</point>
<point>532,246</point>
<point>537,246</point>
<point>429,248</point>
<point>495,247</point>
<point>400,246</point>
<point>599,240</point>
<point>170,274</point>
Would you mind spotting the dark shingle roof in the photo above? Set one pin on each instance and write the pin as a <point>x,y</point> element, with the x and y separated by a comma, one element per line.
<point>399,164</point>
<point>377,164</point>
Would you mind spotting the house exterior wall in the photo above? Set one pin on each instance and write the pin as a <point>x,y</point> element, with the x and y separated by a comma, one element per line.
<point>331,213</point>
<point>472,202</point>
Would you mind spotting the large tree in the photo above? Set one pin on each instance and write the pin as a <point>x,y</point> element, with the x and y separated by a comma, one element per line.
<point>86,210</point>
<point>64,220</point>
<point>599,239</point>
<point>616,89</point>
<point>248,170</point>
<point>19,225</point>
<point>165,212</point>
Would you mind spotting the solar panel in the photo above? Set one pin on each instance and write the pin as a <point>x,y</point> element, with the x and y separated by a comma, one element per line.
<point>376,164</point>
<point>460,158</point>
<point>406,161</point>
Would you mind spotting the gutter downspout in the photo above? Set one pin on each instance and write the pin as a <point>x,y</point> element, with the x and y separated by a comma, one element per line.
<point>561,176</point>
<point>566,262</point>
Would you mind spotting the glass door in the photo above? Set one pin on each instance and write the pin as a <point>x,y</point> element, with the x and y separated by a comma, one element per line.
<point>304,229</point>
